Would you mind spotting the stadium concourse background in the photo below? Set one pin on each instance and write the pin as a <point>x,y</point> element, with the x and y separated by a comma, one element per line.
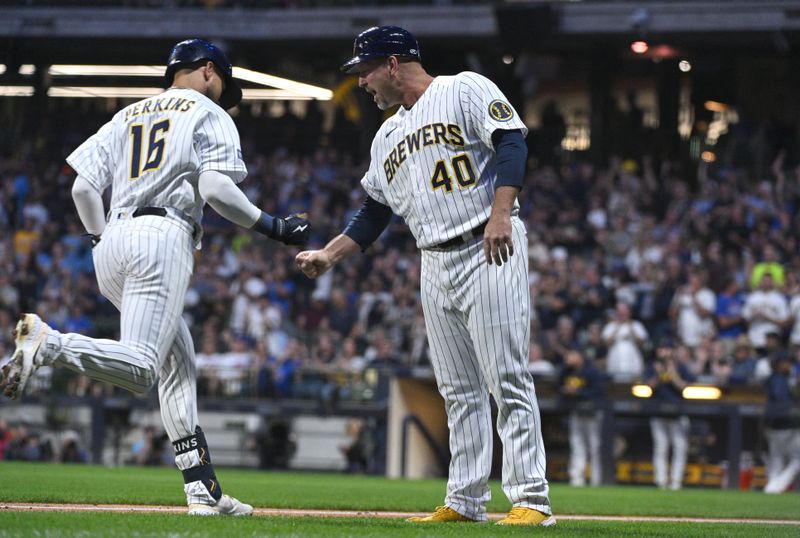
<point>660,141</point>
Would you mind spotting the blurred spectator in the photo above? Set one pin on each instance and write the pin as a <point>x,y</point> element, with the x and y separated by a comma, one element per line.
<point>772,351</point>
<point>766,311</point>
<point>562,340</point>
<point>769,265</point>
<point>744,364</point>
<point>793,320</point>
<point>581,386</point>
<point>286,368</point>
<point>692,310</point>
<point>537,364</point>
<point>29,446</point>
<point>5,438</point>
<point>782,429</point>
<point>730,302</point>
<point>593,345</point>
<point>625,338</point>
<point>149,449</point>
<point>348,357</point>
<point>358,448</point>
<point>667,377</point>
<point>71,451</point>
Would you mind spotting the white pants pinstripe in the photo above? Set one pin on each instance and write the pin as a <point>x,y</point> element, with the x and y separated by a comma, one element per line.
<point>478,321</point>
<point>584,443</point>
<point>143,266</point>
<point>784,459</point>
<point>666,431</point>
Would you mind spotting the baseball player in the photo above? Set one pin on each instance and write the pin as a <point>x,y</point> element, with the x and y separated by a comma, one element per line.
<point>668,377</point>
<point>164,158</point>
<point>582,388</point>
<point>451,162</point>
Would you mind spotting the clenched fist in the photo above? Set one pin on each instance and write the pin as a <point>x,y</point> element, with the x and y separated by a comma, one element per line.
<point>313,263</point>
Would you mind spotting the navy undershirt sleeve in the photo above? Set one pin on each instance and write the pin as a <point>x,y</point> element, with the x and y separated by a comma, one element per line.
<point>368,224</point>
<point>512,153</point>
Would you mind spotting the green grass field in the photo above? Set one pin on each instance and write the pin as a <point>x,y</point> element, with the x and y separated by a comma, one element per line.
<point>162,486</point>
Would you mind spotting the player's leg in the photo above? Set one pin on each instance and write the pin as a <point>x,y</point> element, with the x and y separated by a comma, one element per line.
<point>465,396</point>
<point>659,427</point>
<point>577,451</point>
<point>144,268</point>
<point>177,392</point>
<point>498,302</point>
<point>593,426</point>
<point>791,452</point>
<point>679,433</point>
<point>780,445</point>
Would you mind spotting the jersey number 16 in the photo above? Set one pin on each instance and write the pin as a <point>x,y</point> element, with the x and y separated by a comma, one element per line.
<point>155,149</point>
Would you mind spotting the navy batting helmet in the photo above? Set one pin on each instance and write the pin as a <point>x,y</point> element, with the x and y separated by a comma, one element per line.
<point>194,50</point>
<point>382,42</point>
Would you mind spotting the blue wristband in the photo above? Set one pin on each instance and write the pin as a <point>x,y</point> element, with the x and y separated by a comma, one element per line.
<point>265,224</point>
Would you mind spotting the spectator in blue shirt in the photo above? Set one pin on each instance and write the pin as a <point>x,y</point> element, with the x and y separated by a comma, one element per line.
<point>730,323</point>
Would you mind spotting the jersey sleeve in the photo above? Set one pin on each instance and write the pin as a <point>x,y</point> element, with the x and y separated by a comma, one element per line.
<point>91,160</point>
<point>371,180</point>
<point>486,108</point>
<point>218,147</point>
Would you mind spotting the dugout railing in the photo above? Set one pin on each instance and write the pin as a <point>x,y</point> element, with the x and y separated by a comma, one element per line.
<point>737,419</point>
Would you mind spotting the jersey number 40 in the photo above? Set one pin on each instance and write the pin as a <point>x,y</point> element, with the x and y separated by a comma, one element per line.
<point>463,171</point>
<point>155,149</point>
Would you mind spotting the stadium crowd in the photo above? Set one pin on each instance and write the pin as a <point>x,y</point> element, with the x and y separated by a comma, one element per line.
<point>623,257</point>
<point>645,269</point>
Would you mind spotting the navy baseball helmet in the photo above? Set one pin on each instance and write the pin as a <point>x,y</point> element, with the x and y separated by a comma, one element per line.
<point>194,50</point>
<point>382,42</point>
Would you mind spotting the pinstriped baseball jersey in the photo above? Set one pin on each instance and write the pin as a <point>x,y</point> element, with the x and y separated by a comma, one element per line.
<point>164,142</point>
<point>434,164</point>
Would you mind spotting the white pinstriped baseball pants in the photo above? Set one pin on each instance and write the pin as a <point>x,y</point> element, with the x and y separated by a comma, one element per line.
<point>143,266</point>
<point>478,321</point>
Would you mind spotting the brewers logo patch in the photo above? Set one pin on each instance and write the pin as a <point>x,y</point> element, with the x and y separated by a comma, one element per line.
<point>500,110</point>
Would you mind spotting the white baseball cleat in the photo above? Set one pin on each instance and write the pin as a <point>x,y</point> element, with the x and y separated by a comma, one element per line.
<point>29,334</point>
<point>226,506</point>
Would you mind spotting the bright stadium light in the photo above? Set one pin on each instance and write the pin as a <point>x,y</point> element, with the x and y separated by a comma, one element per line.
<point>102,91</point>
<point>276,87</point>
<point>639,47</point>
<point>2,68</point>
<point>298,88</point>
<point>698,392</point>
<point>685,66</point>
<point>106,70</point>
<point>708,156</point>
<point>642,391</point>
<point>142,93</point>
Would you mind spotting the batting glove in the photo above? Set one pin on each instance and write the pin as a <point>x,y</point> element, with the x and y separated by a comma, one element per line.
<point>292,230</point>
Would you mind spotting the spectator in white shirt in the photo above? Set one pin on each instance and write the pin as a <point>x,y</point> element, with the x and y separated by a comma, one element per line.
<point>692,310</point>
<point>625,338</point>
<point>765,310</point>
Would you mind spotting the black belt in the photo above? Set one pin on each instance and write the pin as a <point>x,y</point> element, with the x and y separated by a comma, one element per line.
<point>162,212</point>
<point>157,211</point>
<point>477,231</point>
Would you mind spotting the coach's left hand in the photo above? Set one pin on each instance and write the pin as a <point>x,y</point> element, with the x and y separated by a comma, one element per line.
<point>498,244</point>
